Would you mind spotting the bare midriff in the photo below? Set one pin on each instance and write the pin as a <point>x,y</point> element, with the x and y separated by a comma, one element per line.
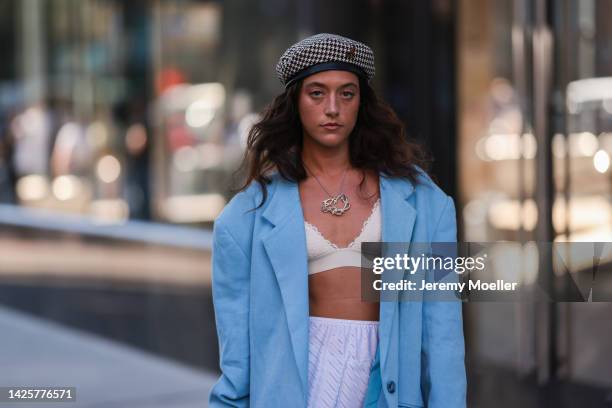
<point>336,293</point>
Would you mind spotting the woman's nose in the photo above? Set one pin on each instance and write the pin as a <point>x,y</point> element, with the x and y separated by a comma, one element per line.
<point>331,106</point>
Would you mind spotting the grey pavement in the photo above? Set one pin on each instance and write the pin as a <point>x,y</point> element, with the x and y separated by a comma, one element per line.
<point>38,352</point>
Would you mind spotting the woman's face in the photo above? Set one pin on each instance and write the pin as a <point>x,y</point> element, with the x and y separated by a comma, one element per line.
<point>328,106</point>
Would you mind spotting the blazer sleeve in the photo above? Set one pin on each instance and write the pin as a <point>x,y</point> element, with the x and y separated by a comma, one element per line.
<point>443,350</point>
<point>230,290</point>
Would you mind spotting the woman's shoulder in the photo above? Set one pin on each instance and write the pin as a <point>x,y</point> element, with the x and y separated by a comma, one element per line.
<point>240,211</point>
<point>237,220</point>
<point>237,209</point>
<point>428,186</point>
<point>424,195</point>
<point>423,186</point>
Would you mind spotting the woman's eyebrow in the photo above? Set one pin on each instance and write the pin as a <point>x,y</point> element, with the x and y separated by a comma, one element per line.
<point>322,85</point>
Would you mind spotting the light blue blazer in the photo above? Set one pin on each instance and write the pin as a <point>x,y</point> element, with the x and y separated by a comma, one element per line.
<point>260,296</point>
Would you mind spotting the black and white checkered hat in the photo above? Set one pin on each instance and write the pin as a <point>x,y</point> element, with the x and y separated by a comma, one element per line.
<point>323,52</point>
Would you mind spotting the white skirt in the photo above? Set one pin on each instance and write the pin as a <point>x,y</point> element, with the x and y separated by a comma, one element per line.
<point>340,356</point>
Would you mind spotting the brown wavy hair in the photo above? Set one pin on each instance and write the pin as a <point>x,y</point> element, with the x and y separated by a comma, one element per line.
<point>378,142</point>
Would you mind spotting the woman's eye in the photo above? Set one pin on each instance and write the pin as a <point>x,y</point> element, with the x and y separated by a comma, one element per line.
<point>348,94</point>
<point>316,93</point>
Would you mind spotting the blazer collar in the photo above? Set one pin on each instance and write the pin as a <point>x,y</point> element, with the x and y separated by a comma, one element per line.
<point>285,245</point>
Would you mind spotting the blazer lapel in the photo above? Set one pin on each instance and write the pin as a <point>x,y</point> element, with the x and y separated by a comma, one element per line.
<point>398,218</point>
<point>285,246</point>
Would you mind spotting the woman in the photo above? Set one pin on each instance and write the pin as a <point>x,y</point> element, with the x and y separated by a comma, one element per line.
<point>329,167</point>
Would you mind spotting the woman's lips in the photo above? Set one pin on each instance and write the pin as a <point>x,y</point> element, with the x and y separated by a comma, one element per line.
<point>332,127</point>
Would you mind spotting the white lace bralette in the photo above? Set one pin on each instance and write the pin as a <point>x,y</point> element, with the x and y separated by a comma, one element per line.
<point>324,254</point>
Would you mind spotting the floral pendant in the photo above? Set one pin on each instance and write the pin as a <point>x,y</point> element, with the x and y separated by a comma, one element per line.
<point>330,205</point>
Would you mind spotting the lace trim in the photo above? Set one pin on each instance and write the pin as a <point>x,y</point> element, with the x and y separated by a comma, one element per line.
<point>316,230</point>
<point>363,227</point>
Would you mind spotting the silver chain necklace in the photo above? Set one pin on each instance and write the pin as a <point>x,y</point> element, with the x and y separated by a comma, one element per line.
<point>330,204</point>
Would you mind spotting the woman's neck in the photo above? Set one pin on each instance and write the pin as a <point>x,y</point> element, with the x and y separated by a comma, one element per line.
<point>326,162</point>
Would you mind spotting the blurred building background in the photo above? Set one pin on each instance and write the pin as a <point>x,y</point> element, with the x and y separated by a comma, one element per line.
<point>122,122</point>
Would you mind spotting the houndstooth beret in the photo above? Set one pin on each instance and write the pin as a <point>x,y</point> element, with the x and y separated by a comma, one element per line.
<point>323,52</point>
